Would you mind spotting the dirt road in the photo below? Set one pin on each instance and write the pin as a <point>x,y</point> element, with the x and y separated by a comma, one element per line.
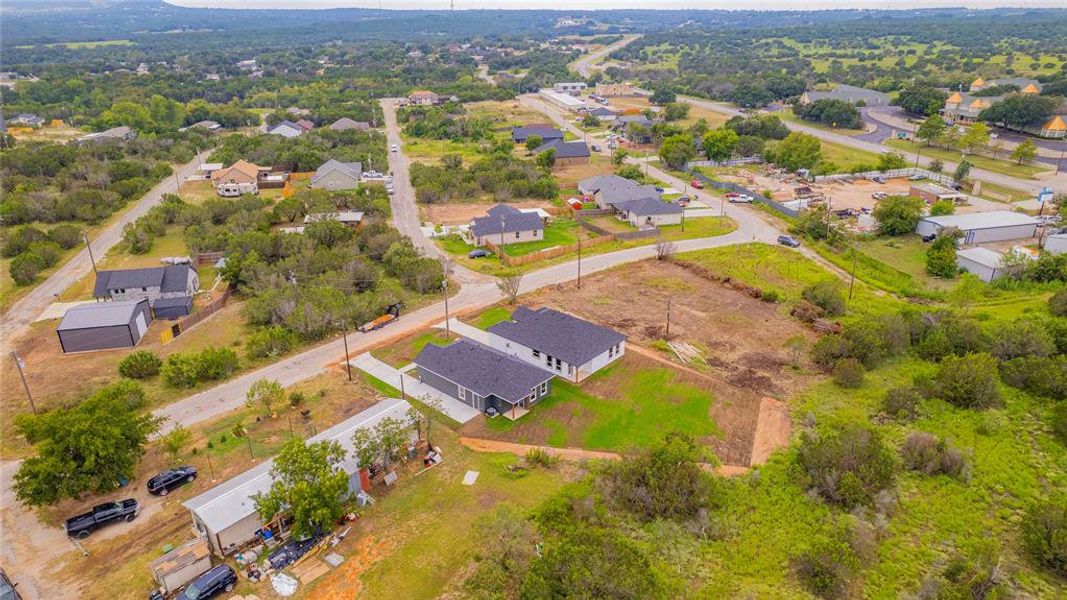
<point>23,312</point>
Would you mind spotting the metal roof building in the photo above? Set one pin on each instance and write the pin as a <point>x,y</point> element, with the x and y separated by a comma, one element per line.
<point>104,325</point>
<point>226,514</point>
<point>977,228</point>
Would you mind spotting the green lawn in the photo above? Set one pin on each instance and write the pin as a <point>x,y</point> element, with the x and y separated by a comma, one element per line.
<point>699,227</point>
<point>846,158</point>
<point>405,350</point>
<point>760,265</point>
<point>560,231</point>
<point>1004,167</point>
<point>905,253</point>
<point>491,316</point>
<point>646,404</point>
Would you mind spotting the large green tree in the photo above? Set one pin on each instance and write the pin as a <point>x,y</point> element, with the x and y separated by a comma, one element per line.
<point>1025,152</point>
<point>677,150</point>
<point>719,144</point>
<point>941,257</point>
<point>91,447</point>
<point>1021,110</point>
<point>796,151</point>
<point>931,130</point>
<point>898,215</point>
<point>922,100</point>
<point>309,484</point>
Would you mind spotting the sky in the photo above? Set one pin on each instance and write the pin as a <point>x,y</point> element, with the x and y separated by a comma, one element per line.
<point>608,4</point>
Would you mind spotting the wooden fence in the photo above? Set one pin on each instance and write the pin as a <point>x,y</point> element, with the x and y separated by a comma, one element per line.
<point>208,258</point>
<point>547,253</point>
<point>194,319</point>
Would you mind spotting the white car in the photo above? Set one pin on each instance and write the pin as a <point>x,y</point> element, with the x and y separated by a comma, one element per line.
<point>742,199</point>
<point>394,148</point>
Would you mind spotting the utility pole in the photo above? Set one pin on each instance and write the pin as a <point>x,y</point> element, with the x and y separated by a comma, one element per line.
<point>448,330</point>
<point>89,247</point>
<point>25,386</point>
<point>178,185</point>
<point>403,394</point>
<point>829,201</point>
<point>248,438</point>
<point>1063,149</point>
<point>344,336</point>
<point>210,467</point>
<point>668,332</point>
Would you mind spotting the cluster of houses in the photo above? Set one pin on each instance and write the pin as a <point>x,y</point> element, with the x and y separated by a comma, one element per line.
<point>127,302</point>
<point>244,177</point>
<point>512,368</point>
<point>963,108</point>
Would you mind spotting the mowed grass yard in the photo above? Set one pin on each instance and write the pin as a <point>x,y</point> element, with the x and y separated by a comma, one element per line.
<point>630,404</point>
<point>1004,167</point>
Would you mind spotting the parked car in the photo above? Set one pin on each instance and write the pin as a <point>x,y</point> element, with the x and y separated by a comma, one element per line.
<point>742,199</point>
<point>479,253</point>
<point>788,240</point>
<point>291,551</point>
<point>879,195</point>
<point>102,514</point>
<point>162,484</point>
<point>683,201</point>
<point>595,147</point>
<point>879,179</point>
<point>394,148</point>
<point>916,177</point>
<point>697,184</point>
<point>213,582</point>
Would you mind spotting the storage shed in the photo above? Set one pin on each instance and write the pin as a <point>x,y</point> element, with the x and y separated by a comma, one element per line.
<point>1056,243</point>
<point>226,514</point>
<point>172,308</point>
<point>104,325</point>
<point>983,262</point>
<point>181,565</point>
<point>978,228</point>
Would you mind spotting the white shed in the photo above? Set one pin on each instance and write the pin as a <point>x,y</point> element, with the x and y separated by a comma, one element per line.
<point>983,262</point>
<point>978,228</point>
<point>1056,243</point>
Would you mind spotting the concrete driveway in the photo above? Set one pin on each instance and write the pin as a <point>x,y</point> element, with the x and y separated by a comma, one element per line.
<point>413,388</point>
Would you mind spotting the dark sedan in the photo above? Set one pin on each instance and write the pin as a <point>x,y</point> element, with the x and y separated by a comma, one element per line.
<point>479,253</point>
<point>162,484</point>
<point>788,240</point>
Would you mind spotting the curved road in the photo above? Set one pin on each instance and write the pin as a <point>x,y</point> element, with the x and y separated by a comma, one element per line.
<point>586,64</point>
<point>26,309</point>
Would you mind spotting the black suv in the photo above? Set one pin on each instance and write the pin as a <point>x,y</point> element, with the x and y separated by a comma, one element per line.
<point>213,582</point>
<point>162,484</point>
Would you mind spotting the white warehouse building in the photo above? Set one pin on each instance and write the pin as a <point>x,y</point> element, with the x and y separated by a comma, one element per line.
<point>561,100</point>
<point>979,228</point>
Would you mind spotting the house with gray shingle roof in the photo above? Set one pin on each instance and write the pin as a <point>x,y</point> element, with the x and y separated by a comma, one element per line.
<point>556,342</point>
<point>344,124</point>
<point>505,224</point>
<point>609,190</point>
<point>567,153</point>
<point>337,175</point>
<point>176,283</point>
<point>286,129</point>
<point>482,377</point>
<point>649,212</point>
<point>547,133</point>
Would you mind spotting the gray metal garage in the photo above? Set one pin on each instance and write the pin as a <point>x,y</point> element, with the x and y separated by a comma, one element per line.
<point>172,308</point>
<point>979,228</point>
<point>104,325</point>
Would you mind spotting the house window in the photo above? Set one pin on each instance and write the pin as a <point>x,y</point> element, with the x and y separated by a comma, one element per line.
<point>537,354</point>
<point>611,351</point>
<point>516,235</point>
<point>548,361</point>
<point>559,365</point>
<point>544,388</point>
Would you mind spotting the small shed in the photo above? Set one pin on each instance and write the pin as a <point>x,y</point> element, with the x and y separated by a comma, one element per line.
<point>931,192</point>
<point>181,565</point>
<point>1056,243</point>
<point>172,308</point>
<point>104,325</point>
<point>983,262</point>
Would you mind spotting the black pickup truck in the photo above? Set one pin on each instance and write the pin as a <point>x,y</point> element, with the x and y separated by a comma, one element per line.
<point>102,514</point>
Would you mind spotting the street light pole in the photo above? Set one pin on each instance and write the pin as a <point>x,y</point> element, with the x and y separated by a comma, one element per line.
<point>25,386</point>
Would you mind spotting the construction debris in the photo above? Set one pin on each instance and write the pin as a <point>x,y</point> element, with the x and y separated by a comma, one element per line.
<point>686,352</point>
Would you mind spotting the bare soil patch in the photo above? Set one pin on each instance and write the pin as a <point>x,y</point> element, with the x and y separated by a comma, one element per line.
<point>461,213</point>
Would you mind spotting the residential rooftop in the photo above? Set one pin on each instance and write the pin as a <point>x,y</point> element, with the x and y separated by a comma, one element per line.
<point>568,338</point>
<point>483,370</point>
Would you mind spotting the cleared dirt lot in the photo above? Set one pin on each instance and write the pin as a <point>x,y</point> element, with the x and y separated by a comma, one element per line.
<point>741,339</point>
<point>461,213</point>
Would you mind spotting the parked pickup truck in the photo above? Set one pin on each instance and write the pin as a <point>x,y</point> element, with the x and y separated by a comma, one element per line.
<point>102,514</point>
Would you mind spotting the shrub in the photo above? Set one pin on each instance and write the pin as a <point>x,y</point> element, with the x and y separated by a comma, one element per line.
<point>541,458</point>
<point>216,363</point>
<point>829,349</point>
<point>848,373</point>
<point>969,381</point>
<point>1025,337</point>
<point>825,568</point>
<point>1039,375</point>
<point>180,371</point>
<point>142,364</point>
<point>65,235</point>
<point>898,215</point>
<point>269,342</point>
<point>941,257</point>
<point>666,482</point>
<point>807,312</point>
<point>770,296</point>
<point>1057,304</point>
<point>902,403</point>
<point>1044,533</point>
<point>942,207</point>
<point>980,576</point>
<point>827,295</point>
<point>926,453</point>
<point>848,466</point>
<point>1059,422</point>
<point>296,399</point>
<point>24,268</point>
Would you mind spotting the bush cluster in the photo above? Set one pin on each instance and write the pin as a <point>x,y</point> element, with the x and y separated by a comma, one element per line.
<point>926,453</point>
<point>846,466</point>
<point>188,369</point>
<point>141,364</point>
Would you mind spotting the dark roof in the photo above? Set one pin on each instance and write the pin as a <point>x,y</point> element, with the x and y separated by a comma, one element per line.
<point>168,279</point>
<point>649,206</point>
<point>602,111</point>
<point>561,335</point>
<point>505,219</point>
<point>627,119</point>
<point>482,370</point>
<point>175,301</point>
<point>99,314</point>
<point>577,149</point>
<point>285,123</point>
<point>545,132</point>
<point>603,183</point>
<point>623,195</point>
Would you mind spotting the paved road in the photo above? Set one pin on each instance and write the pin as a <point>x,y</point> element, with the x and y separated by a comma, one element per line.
<point>585,65</point>
<point>23,312</point>
<point>1058,183</point>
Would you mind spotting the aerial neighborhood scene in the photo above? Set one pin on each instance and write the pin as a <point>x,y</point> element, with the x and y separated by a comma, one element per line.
<point>533,300</point>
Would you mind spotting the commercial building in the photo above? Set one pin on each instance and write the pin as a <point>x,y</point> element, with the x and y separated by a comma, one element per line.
<point>573,88</point>
<point>978,228</point>
<point>562,101</point>
<point>931,192</point>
